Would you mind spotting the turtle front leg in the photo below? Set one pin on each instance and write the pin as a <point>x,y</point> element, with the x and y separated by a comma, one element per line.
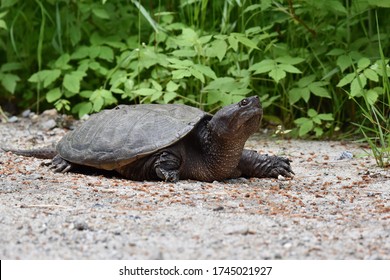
<point>253,164</point>
<point>58,164</point>
<point>167,167</point>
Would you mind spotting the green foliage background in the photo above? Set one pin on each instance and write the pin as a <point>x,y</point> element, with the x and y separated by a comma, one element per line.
<point>318,66</point>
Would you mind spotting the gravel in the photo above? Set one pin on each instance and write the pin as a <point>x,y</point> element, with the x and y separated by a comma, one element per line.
<point>332,209</point>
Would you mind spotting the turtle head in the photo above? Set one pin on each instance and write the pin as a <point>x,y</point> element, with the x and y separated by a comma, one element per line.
<point>237,121</point>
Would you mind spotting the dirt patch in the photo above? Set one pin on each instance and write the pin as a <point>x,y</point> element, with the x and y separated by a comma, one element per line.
<point>331,209</point>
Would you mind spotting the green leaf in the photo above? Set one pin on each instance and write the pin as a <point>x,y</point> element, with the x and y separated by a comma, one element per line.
<point>9,82</point>
<point>379,3</point>
<point>316,120</point>
<point>233,42</point>
<point>319,131</point>
<point>225,84</point>
<point>180,74</point>
<point>289,60</point>
<point>358,85</point>
<point>301,121</point>
<point>346,80</point>
<point>156,85</point>
<point>74,34</point>
<point>343,61</point>
<point>62,62</point>
<point>252,7</point>
<point>47,77</point>
<point>179,64</point>
<point>145,91</point>
<point>297,93</point>
<point>72,81</point>
<point>245,41</point>
<point>205,39</point>
<point>106,53</point>
<point>94,51</point>
<point>311,113</point>
<point>371,75</point>
<point>169,96</point>
<point>3,24</point>
<point>100,13</point>
<point>305,128</point>
<point>305,81</point>
<point>172,86</point>
<point>51,76</point>
<point>371,96</point>
<point>289,68</point>
<point>217,48</point>
<point>82,108</point>
<point>97,103</point>
<point>197,74</point>
<point>184,53</point>
<point>53,95</point>
<point>364,62</point>
<point>11,66</point>
<point>239,93</point>
<point>264,66</point>
<point>319,91</point>
<point>80,53</point>
<point>336,52</point>
<point>326,117</point>
<point>277,74</point>
<point>205,70</point>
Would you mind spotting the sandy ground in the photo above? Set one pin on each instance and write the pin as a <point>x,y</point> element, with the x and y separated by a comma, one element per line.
<point>331,209</point>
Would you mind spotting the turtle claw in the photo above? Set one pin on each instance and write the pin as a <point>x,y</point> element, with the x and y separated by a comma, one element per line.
<point>60,165</point>
<point>280,167</point>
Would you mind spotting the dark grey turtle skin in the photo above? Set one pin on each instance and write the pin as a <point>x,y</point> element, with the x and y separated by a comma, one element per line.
<point>171,142</point>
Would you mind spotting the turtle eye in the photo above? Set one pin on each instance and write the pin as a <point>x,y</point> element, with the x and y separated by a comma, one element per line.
<point>244,102</point>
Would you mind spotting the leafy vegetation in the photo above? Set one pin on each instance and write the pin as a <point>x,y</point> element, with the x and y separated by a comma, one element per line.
<point>318,66</point>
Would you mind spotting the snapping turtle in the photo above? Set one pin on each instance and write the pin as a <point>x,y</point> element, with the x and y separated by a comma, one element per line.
<point>169,142</point>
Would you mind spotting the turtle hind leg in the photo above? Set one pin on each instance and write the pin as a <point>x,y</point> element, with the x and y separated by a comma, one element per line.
<point>58,164</point>
<point>167,167</point>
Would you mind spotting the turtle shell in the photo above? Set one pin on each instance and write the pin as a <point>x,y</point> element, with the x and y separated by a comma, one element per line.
<point>114,138</point>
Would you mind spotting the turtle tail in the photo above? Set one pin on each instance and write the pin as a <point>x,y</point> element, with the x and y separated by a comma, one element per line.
<point>42,153</point>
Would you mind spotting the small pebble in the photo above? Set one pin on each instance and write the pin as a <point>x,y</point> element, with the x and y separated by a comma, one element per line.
<point>238,229</point>
<point>26,113</point>
<point>219,208</point>
<point>48,125</point>
<point>345,155</point>
<point>13,119</point>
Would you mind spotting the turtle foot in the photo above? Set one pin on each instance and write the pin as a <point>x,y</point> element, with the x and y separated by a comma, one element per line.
<point>60,165</point>
<point>167,167</point>
<point>280,166</point>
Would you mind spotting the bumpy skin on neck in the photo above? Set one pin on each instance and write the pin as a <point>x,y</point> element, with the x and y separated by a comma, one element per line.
<point>207,158</point>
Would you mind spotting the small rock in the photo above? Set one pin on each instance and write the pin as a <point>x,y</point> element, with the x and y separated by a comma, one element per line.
<point>30,168</point>
<point>219,208</point>
<point>345,155</point>
<point>80,226</point>
<point>238,229</point>
<point>26,113</point>
<point>48,125</point>
<point>281,178</point>
<point>13,119</point>
<point>50,113</point>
